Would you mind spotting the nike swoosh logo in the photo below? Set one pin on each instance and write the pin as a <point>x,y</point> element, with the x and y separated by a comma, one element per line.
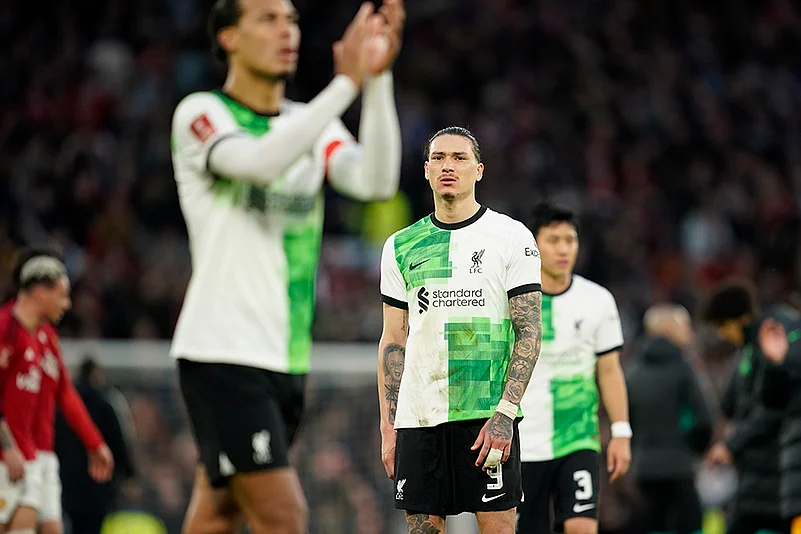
<point>579,508</point>
<point>414,266</point>
<point>484,497</point>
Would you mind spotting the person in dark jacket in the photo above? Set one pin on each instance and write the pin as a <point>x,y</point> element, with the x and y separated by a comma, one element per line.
<point>752,444</point>
<point>85,502</point>
<point>780,388</point>
<point>671,420</point>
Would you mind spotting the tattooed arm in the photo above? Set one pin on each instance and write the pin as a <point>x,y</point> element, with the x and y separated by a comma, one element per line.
<point>525,311</point>
<point>391,358</point>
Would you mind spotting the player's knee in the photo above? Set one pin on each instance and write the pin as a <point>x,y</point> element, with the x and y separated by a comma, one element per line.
<point>581,525</point>
<point>289,518</point>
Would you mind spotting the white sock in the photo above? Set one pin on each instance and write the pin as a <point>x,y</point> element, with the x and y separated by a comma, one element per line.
<point>22,531</point>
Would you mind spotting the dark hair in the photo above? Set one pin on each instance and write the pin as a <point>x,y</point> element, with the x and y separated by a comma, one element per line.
<point>727,301</point>
<point>224,13</point>
<point>455,130</point>
<point>47,276</point>
<point>545,214</point>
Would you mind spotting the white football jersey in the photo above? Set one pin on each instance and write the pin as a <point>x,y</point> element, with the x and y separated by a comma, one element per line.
<point>560,406</point>
<point>456,281</point>
<point>254,248</point>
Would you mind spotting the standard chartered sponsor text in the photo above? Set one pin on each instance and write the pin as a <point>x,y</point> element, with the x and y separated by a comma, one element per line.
<point>457,298</point>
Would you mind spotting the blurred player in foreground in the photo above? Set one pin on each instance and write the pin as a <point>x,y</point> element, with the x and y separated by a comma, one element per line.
<point>250,166</point>
<point>462,332</point>
<point>559,435</point>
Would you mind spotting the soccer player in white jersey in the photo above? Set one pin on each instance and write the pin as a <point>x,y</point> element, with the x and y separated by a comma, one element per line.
<point>462,332</point>
<point>559,436</point>
<point>250,167</point>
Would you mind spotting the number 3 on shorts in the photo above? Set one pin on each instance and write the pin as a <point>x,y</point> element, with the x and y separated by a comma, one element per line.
<point>584,480</point>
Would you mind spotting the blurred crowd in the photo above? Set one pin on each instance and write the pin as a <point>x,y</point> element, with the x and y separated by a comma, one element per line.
<point>673,128</point>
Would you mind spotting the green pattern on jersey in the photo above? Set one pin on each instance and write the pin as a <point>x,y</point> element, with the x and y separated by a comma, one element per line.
<point>548,332</point>
<point>302,249</point>
<point>575,415</point>
<point>303,233</point>
<point>426,248</point>
<point>478,355</point>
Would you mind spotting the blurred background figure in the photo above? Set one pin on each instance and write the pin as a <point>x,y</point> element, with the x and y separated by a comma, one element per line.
<point>671,419</point>
<point>780,389</point>
<point>86,503</point>
<point>752,438</point>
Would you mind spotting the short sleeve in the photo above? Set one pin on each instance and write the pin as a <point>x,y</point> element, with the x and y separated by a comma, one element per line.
<point>523,264</point>
<point>609,335</point>
<point>393,288</point>
<point>200,121</point>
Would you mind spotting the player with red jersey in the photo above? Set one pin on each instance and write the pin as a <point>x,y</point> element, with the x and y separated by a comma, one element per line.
<point>43,297</point>
<point>56,389</point>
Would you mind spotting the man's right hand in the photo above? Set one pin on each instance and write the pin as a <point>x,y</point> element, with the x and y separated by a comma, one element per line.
<point>349,51</point>
<point>15,462</point>
<point>388,439</point>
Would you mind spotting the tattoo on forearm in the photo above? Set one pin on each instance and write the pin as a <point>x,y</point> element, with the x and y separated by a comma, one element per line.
<point>421,524</point>
<point>394,358</point>
<point>500,427</point>
<point>526,314</point>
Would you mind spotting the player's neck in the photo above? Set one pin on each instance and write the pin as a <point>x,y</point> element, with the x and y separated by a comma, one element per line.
<point>455,211</point>
<point>26,314</point>
<point>555,285</point>
<point>260,94</point>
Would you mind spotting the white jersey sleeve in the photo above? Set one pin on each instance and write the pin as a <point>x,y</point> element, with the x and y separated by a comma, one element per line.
<point>265,158</point>
<point>369,169</point>
<point>609,333</point>
<point>523,264</point>
<point>393,288</point>
<point>200,121</point>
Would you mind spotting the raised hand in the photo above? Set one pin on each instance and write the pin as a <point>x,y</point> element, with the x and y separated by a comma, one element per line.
<point>350,50</point>
<point>385,38</point>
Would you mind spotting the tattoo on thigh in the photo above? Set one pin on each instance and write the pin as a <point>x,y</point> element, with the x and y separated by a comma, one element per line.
<point>421,524</point>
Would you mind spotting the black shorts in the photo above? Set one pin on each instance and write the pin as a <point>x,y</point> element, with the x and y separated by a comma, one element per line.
<point>244,419</point>
<point>436,472</point>
<point>571,481</point>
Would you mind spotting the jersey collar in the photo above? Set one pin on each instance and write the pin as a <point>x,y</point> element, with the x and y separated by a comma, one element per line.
<point>240,104</point>
<point>461,224</point>
<point>561,292</point>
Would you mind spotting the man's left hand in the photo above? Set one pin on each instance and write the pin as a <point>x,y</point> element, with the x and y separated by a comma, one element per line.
<point>618,457</point>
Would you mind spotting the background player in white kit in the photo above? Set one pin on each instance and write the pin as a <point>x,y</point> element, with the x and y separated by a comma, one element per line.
<point>250,167</point>
<point>462,331</point>
<point>559,436</point>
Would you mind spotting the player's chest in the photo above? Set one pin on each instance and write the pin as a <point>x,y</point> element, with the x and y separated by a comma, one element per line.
<point>471,262</point>
<point>568,330</point>
<point>48,361</point>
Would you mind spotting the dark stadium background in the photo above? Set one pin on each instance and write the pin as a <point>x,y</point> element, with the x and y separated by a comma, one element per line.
<point>674,128</point>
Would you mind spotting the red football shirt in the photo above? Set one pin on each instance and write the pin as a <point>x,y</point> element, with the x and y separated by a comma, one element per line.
<point>20,380</point>
<point>57,390</point>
